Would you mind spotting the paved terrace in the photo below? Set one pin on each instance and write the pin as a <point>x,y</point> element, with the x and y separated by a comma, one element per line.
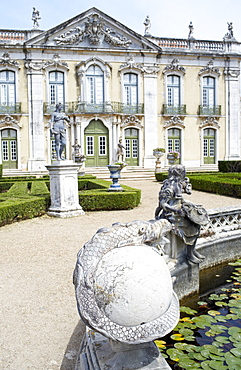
<point>40,326</point>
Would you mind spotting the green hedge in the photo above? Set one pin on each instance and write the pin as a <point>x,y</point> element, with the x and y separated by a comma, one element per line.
<point>229,166</point>
<point>30,198</point>
<point>97,197</point>
<point>1,170</point>
<point>215,182</point>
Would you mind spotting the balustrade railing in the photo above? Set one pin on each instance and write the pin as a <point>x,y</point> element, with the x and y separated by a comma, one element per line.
<point>222,220</point>
<point>108,107</point>
<point>190,44</point>
<point>13,36</point>
<point>214,110</point>
<point>174,109</point>
<point>10,108</point>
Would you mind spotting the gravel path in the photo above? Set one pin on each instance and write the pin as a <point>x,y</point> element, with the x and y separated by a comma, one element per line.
<point>40,326</point>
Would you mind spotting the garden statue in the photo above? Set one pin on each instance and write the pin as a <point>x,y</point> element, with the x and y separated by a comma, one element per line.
<point>59,130</point>
<point>185,216</point>
<point>35,18</point>
<point>118,297</point>
<point>120,152</point>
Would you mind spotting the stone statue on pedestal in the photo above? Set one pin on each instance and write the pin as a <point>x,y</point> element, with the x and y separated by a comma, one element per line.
<point>59,130</point>
<point>35,18</point>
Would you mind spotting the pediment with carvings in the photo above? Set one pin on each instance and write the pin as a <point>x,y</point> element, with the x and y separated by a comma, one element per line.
<point>209,69</point>
<point>6,61</point>
<point>174,67</point>
<point>174,121</point>
<point>93,29</point>
<point>9,121</point>
<point>131,121</point>
<point>210,121</point>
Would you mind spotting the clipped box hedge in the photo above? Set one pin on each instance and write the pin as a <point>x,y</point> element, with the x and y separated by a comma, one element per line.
<point>216,182</point>
<point>23,199</point>
<point>229,166</point>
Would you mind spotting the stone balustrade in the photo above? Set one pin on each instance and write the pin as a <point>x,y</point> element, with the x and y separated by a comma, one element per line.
<point>222,220</point>
<point>189,44</point>
<point>13,36</point>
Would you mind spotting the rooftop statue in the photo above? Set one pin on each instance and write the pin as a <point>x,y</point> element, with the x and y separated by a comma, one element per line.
<point>35,18</point>
<point>59,130</point>
<point>147,24</point>
<point>185,216</point>
<point>191,30</point>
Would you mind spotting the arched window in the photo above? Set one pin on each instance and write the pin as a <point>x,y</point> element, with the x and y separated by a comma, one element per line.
<point>173,90</point>
<point>56,87</point>
<point>130,89</point>
<point>7,88</point>
<point>95,85</point>
<point>209,92</point>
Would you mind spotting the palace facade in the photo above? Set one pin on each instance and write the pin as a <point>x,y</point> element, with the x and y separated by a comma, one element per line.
<point>179,94</point>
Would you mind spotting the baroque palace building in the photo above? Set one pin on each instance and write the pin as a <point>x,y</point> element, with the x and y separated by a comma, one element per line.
<point>179,94</point>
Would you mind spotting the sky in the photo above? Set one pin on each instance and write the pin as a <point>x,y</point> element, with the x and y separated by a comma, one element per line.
<point>169,18</point>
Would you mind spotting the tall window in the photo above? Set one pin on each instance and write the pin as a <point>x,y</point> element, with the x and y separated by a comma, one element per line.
<point>95,85</point>
<point>173,90</point>
<point>7,88</point>
<point>208,91</point>
<point>130,88</point>
<point>56,87</point>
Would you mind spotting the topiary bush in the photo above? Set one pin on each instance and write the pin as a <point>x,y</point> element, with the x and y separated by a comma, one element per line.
<point>229,166</point>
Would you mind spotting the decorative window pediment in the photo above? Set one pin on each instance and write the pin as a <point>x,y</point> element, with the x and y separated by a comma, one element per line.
<point>55,62</point>
<point>175,121</point>
<point>130,64</point>
<point>210,69</point>
<point>174,67</point>
<point>9,121</point>
<point>83,66</point>
<point>6,61</point>
<point>132,121</point>
<point>210,121</point>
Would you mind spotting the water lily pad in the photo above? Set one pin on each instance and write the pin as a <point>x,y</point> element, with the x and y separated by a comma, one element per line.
<point>187,310</point>
<point>236,352</point>
<point>217,365</point>
<point>222,339</point>
<point>177,337</point>
<point>213,312</point>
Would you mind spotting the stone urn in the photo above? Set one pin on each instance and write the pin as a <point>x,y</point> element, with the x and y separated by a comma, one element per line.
<point>115,170</point>
<point>158,153</point>
<point>172,157</point>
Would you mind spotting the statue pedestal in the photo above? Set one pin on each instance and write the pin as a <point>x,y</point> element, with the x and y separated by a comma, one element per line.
<point>98,353</point>
<point>64,189</point>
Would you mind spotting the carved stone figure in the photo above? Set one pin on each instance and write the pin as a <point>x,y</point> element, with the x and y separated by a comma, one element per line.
<point>191,30</point>
<point>59,130</point>
<point>147,24</point>
<point>120,152</point>
<point>186,217</point>
<point>35,18</point>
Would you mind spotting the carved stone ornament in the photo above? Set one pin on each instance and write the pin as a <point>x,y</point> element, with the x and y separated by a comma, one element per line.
<point>9,121</point>
<point>174,121</point>
<point>174,67</point>
<point>33,66</point>
<point>209,69</point>
<point>232,72</point>
<point>210,121</point>
<point>131,121</point>
<point>151,69</point>
<point>7,61</point>
<point>55,62</point>
<point>96,31</point>
<point>114,261</point>
<point>131,64</point>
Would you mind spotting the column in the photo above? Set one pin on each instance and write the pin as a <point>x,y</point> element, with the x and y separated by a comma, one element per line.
<point>36,162</point>
<point>232,113</point>
<point>150,106</point>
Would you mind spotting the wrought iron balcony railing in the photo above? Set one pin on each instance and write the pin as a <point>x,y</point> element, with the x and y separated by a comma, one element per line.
<point>174,109</point>
<point>11,108</point>
<point>212,110</point>
<point>84,107</point>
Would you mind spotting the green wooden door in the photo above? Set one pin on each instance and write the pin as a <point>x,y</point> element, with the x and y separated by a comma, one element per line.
<point>96,144</point>
<point>9,148</point>
<point>174,142</point>
<point>209,146</point>
<point>132,146</point>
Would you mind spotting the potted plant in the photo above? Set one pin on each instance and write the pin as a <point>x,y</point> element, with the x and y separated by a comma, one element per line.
<point>173,156</point>
<point>159,152</point>
<point>79,158</point>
